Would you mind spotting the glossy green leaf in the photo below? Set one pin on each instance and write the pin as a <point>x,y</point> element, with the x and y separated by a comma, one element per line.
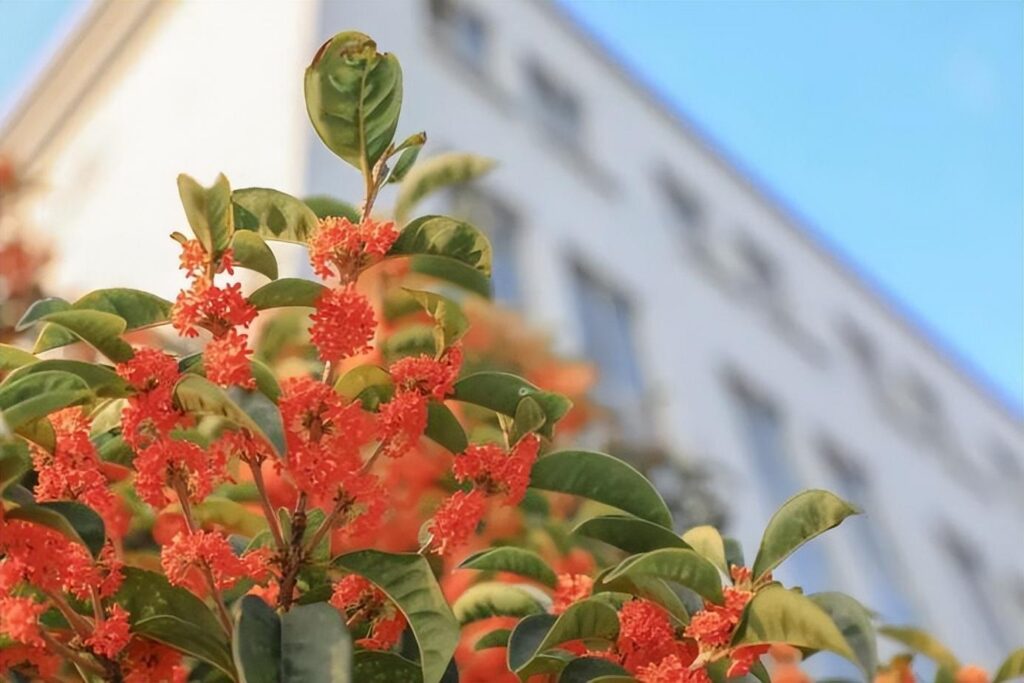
<point>733,552</point>
<point>1012,667</point>
<point>410,152</point>
<point>586,669</point>
<point>923,643</point>
<point>778,615</point>
<point>273,215</point>
<point>38,310</point>
<point>496,638</point>
<point>449,320</point>
<point>631,534</point>
<point>457,273</point>
<point>371,666</point>
<point>647,587</point>
<point>801,518</point>
<point>678,565</point>
<point>103,381</point>
<point>514,560</point>
<point>139,310</point>
<point>591,618</point>
<point>495,599</point>
<point>329,207</point>
<point>854,622</point>
<point>529,417</point>
<point>708,543</point>
<point>436,173</point>
<point>100,330</point>
<point>256,642</point>
<point>443,428</point>
<point>406,578</point>
<point>249,250</point>
<point>525,639</point>
<point>602,478</point>
<point>502,392</point>
<point>38,394</point>
<point>209,212</point>
<point>354,97</point>
<point>12,358</point>
<point>76,521</point>
<point>445,237</point>
<point>15,461</point>
<point>371,384</point>
<point>199,396</point>
<point>289,291</point>
<point>181,634</point>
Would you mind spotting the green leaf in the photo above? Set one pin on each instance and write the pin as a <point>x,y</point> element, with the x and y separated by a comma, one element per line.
<point>854,622</point>
<point>230,515</point>
<point>449,320</point>
<point>801,518</point>
<point>354,97</point>
<point>586,669</point>
<point>14,463</point>
<point>529,418</point>
<point>410,340</point>
<point>147,595</point>
<point>138,309</point>
<point>76,521</point>
<point>273,215</point>
<point>12,358</point>
<point>410,149</point>
<point>436,173</point>
<point>496,638</point>
<point>502,392</point>
<point>250,251</point>
<point>289,291</point>
<point>100,330</point>
<point>208,210</point>
<point>602,478</point>
<point>493,599</point>
<point>733,552</point>
<point>406,578</point>
<point>708,543</point>
<point>444,428</point>
<point>647,587</point>
<point>315,645</point>
<point>455,272</point>
<point>101,379</point>
<point>1013,667</point>
<point>371,666</point>
<point>37,311</point>
<point>329,207</point>
<point>525,639</point>
<point>371,384</point>
<point>266,382</point>
<point>678,565</point>
<point>778,615</point>
<point>921,642</point>
<point>515,560</point>
<point>199,396</point>
<point>629,533</point>
<point>39,394</point>
<point>591,618</point>
<point>445,237</point>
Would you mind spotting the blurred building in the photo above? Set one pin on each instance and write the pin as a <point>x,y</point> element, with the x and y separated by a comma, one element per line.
<point>723,328</point>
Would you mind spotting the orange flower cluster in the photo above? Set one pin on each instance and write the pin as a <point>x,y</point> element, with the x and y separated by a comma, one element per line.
<point>362,602</point>
<point>569,589</point>
<point>713,626</point>
<point>146,661</point>
<point>494,471</point>
<point>187,555</point>
<point>343,324</point>
<point>341,248</point>
<point>111,634</point>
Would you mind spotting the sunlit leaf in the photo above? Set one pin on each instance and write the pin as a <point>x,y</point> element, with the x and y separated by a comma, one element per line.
<point>438,172</point>
<point>801,518</point>
<point>854,622</point>
<point>493,599</point>
<point>209,213</point>
<point>288,291</point>
<point>273,215</point>
<point>923,643</point>
<point>514,560</point>
<point>708,543</point>
<point>251,251</point>
<point>631,534</point>
<point>38,394</point>
<point>678,565</point>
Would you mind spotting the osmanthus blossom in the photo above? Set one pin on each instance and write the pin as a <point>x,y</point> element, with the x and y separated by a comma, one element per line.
<point>340,248</point>
<point>189,553</point>
<point>360,602</point>
<point>145,661</point>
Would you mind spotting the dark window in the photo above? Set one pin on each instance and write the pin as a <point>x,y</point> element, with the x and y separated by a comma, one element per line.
<point>555,107</point>
<point>966,561</point>
<point>862,348</point>
<point>462,31</point>
<point>685,212</point>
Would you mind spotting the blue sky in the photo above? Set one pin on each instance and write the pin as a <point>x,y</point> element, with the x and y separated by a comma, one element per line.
<point>896,129</point>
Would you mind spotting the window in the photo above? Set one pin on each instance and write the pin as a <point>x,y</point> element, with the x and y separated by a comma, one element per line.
<point>555,107</point>
<point>686,212</point>
<point>923,407</point>
<point>761,428</point>
<point>501,225</point>
<point>761,279</point>
<point>461,30</point>
<point>971,574</point>
<point>606,320</point>
<point>862,348</point>
<point>886,594</point>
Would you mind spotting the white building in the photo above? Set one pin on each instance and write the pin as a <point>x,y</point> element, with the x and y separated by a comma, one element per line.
<point>724,329</point>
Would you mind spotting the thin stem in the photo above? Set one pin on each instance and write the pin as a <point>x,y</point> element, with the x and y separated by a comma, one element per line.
<point>69,654</point>
<point>325,526</point>
<point>79,623</point>
<point>268,509</point>
<point>295,555</point>
<point>97,606</point>
<point>186,510</point>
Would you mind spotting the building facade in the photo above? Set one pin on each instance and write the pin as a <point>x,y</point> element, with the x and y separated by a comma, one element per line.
<point>724,331</point>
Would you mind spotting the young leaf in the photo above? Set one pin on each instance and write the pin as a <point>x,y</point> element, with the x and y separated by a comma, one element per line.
<point>1013,667</point>
<point>443,428</point>
<point>250,251</point>
<point>629,533</point>
<point>138,309</point>
<point>76,521</point>
<point>602,478</point>
<point>502,392</point>
<point>801,518</point>
<point>436,173</point>
<point>406,578</point>
<point>273,215</point>
<point>923,643</point>
<point>678,565</point>
<point>778,615</point>
<point>329,207</point>
<point>354,97</point>
<point>288,291</point>
<point>708,543</point>
<point>495,599</point>
<point>854,622</point>
<point>410,149</point>
<point>515,560</point>
<point>209,213</point>
<point>371,384</point>
<point>38,394</point>
<point>450,323</point>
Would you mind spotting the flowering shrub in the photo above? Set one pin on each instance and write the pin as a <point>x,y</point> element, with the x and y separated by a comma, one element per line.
<point>350,493</point>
